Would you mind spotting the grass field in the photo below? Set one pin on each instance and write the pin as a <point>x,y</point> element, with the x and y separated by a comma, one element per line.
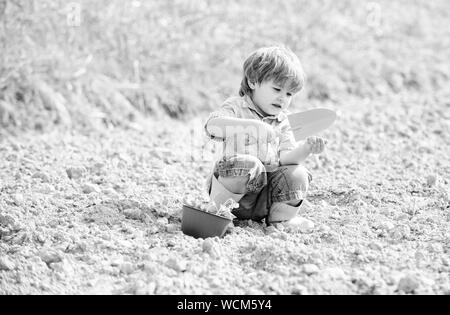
<point>105,62</point>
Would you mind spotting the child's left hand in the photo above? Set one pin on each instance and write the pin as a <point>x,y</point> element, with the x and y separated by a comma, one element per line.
<point>316,144</point>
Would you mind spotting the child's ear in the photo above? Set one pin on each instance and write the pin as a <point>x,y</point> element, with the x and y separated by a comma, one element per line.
<point>251,84</point>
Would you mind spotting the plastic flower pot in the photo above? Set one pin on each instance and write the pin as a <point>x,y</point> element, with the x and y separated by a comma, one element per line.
<point>198,223</point>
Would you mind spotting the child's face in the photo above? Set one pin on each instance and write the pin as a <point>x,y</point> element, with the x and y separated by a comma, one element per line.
<point>270,97</point>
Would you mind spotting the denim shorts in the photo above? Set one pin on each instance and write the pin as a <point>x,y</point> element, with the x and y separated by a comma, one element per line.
<point>285,183</point>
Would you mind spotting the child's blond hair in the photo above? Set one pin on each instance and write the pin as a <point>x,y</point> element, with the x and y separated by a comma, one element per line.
<point>276,63</point>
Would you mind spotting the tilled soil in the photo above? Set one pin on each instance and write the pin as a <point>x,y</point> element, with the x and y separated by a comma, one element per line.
<point>100,212</point>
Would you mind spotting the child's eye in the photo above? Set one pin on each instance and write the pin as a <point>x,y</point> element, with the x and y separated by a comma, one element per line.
<point>289,94</point>
<point>277,89</point>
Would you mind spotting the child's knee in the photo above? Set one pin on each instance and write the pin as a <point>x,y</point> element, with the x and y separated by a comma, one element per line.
<point>239,164</point>
<point>235,184</point>
<point>290,185</point>
<point>300,176</point>
<point>242,173</point>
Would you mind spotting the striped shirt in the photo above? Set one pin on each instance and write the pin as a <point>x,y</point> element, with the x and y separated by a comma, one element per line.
<point>243,107</point>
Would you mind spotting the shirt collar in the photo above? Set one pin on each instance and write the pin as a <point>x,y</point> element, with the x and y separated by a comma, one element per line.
<point>249,103</point>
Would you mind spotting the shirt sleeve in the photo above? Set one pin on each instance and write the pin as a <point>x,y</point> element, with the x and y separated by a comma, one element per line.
<point>287,140</point>
<point>228,109</point>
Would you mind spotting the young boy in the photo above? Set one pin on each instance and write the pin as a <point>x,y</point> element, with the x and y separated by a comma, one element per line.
<point>261,164</point>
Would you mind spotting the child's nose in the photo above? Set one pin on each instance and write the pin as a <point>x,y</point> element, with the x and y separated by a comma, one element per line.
<point>282,99</point>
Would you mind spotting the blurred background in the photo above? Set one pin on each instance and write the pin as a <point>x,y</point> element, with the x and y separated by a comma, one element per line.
<point>95,64</point>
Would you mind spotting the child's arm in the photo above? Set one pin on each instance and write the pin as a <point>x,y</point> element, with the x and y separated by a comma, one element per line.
<point>224,127</point>
<point>312,145</point>
<point>295,156</point>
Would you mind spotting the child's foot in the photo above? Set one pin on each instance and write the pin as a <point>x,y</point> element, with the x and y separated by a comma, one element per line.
<point>286,215</point>
<point>281,212</point>
<point>299,224</point>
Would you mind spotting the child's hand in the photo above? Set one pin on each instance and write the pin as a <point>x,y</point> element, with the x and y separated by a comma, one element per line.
<point>316,144</point>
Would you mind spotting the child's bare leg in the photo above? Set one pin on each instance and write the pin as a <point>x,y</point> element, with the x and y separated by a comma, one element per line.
<point>234,184</point>
<point>294,181</point>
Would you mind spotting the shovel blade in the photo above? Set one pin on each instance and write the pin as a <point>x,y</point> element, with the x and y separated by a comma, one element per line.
<point>311,122</point>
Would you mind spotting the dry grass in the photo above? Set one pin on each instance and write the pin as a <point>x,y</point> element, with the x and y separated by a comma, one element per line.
<point>181,57</point>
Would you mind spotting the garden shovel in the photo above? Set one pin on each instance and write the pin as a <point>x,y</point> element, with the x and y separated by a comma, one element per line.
<point>310,122</point>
